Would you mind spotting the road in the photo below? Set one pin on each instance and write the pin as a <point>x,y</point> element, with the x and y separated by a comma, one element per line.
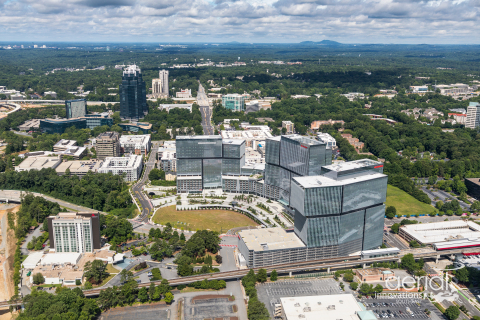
<point>205,110</point>
<point>137,189</point>
<point>394,242</point>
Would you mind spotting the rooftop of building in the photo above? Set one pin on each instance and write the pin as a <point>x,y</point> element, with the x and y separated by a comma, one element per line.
<point>73,215</point>
<point>141,125</point>
<point>121,162</point>
<point>374,271</point>
<point>302,139</point>
<point>202,137</point>
<point>63,143</point>
<point>60,258</point>
<point>443,231</point>
<point>246,134</point>
<point>270,239</point>
<point>325,307</point>
<point>138,138</point>
<point>108,135</point>
<point>132,69</point>
<point>474,180</point>
<point>82,166</point>
<point>352,165</point>
<point>39,162</point>
<point>233,141</point>
<point>324,181</point>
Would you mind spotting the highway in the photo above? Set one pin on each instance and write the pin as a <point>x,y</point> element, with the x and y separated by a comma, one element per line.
<point>205,110</point>
<point>137,188</point>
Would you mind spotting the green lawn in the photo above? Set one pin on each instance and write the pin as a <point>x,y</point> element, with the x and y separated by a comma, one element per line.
<point>405,203</point>
<point>215,220</point>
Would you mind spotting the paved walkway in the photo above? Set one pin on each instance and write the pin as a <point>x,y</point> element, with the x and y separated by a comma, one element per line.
<point>15,195</point>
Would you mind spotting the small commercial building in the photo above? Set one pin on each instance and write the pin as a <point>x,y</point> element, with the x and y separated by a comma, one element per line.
<point>473,187</point>
<point>39,163</point>
<point>29,124</point>
<point>374,274</point>
<point>324,307</point>
<point>430,233</point>
<point>168,107</point>
<point>288,125</point>
<point>79,168</point>
<point>107,145</point>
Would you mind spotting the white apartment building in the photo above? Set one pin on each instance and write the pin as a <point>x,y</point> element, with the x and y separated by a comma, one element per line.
<point>289,126</point>
<point>453,89</point>
<point>168,107</point>
<point>163,75</point>
<point>167,156</point>
<point>184,93</point>
<point>328,139</point>
<point>354,95</point>
<point>135,144</point>
<point>473,115</point>
<point>131,166</point>
<point>252,137</point>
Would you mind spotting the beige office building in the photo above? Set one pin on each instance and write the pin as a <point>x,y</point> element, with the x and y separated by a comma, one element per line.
<point>108,145</point>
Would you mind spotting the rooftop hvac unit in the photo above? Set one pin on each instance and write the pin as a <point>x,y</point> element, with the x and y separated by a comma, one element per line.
<point>307,309</point>
<point>301,316</point>
<point>296,304</point>
<point>331,307</point>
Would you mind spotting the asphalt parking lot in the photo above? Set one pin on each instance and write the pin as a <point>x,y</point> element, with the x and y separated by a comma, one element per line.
<point>144,312</point>
<point>397,308</point>
<point>208,309</point>
<point>270,293</point>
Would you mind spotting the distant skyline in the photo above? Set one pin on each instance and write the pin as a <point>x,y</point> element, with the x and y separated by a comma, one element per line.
<point>268,21</point>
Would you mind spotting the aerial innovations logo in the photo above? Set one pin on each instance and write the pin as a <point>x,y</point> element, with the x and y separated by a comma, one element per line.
<point>435,287</point>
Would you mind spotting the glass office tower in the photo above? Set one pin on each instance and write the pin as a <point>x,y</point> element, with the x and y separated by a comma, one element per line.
<point>133,94</point>
<point>234,102</point>
<point>343,208</point>
<point>200,157</point>
<point>76,108</point>
<point>292,156</point>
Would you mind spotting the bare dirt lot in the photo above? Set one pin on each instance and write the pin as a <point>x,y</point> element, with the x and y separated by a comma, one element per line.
<point>7,251</point>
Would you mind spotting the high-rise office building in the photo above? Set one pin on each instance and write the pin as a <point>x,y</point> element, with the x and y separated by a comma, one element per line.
<point>473,115</point>
<point>343,207</point>
<point>234,102</point>
<point>157,88</point>
<point>163,75</point>
<point>199,162</point>
<point>336,213</point>
<point>133,94</point>
<point>74,231</point>
<point>107,145</point>
<point>293,156</point>
<point>76,108</point>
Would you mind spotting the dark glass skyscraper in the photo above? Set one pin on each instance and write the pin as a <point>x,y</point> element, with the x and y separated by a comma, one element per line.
<point>293,156</point>
<point>133,94</point>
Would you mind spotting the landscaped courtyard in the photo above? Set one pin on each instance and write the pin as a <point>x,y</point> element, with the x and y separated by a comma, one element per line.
<point>215,220</point>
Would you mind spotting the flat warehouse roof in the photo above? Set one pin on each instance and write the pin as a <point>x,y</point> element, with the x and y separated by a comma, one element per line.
<point>325,307</point>
<point>350,165</point>
<point>442,231</point>
<point>270,239</point>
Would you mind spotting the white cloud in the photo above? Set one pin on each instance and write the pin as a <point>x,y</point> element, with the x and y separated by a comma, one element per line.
<point>371,21</point>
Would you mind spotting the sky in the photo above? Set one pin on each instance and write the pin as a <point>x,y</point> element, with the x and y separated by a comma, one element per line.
<point>265,21</point>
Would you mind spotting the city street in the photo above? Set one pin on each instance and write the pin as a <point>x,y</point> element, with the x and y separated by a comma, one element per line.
<point>205,110</point>
<point>137,189</point>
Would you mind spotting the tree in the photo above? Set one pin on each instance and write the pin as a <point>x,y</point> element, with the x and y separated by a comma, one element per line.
<point>462,275</point>
<point>126,276</point>
<point>391,212</point>
<point>452,312</point>
<point>273,275</point>
<point>168,297</point>
<point>366,289</point>
<point>408,263</point>
<point>95,271</point>
<point>257,310</point>
<point>395,228</point>
<point>218,258</point>
<point>378,288</point>
<point>143,294</point>
<point>432,180</point>
<point>262,275</point>
<point>38,278</point>
<point>348,276</point>
<point>354,285</point>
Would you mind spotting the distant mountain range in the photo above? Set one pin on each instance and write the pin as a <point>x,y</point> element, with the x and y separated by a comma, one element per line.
<point>329,43</point>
